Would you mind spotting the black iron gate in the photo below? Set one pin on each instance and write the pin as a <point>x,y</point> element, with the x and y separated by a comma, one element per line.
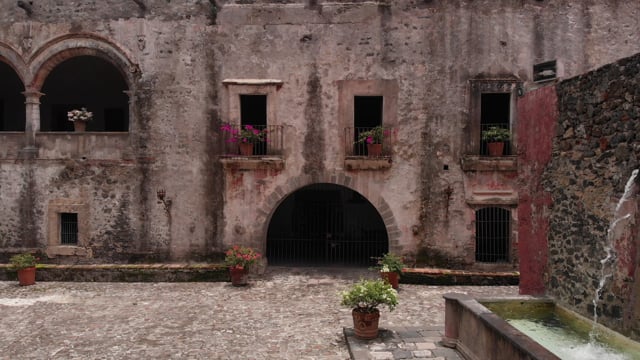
<point>325,224</point>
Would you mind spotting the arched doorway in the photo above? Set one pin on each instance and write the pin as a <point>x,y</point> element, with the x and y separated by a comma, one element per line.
<point>90,82</point>
<point>323,225</point>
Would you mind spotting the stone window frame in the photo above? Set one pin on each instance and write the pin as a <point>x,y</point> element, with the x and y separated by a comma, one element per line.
<point>347,91</point>
<point>268,87</point>
<point>54,245</point>
<point>237,87</point>
<point>488,86</point>
<point>512,252</point>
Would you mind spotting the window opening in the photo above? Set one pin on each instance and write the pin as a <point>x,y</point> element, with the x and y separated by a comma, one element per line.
<point>12,108</point>
<point>69,228</point>
<point>493,227</point>
<point>367,114</point>
<point>84,81</point>
<point>253,111</point>
<point>495,110</point>
<point>545,71</point>
<point>114,119</point>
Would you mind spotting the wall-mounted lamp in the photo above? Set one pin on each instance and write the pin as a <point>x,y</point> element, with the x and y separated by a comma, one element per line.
<point>162,199</point>
<point>520,91</point>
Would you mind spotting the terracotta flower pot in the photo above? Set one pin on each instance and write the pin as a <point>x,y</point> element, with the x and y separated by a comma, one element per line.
<point>495,148</point>
<point>238,276</point>
<point>79,126</point>
<point>246,149</point>
<point>27,276</point>
<point>393,278</point>
<point>374,149</point>
<point>365,324</point>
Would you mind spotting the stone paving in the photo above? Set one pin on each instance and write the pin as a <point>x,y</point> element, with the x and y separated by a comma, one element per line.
<point>288,313</point>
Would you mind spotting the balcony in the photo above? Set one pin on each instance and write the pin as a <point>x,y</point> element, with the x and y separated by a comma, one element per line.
<point>484,162</point>
<point>262,150</point>
<point>361,155</point>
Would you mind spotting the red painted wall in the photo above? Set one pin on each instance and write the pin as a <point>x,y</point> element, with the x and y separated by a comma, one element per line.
<point>537,118</point>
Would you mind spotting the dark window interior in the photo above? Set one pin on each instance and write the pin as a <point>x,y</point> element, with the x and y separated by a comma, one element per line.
<point>495,111</point>
<point>367,111</point>
<point>253,110</point>
<point>12,107</point>
<point>85,81</point>
<point>69,228</point>
<point>367,114</point>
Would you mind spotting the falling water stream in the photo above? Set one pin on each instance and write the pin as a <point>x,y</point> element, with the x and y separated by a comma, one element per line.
<point>573,344</point>
<point>607,264</point>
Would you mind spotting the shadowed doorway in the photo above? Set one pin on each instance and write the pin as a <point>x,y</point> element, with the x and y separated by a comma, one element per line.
<point>325,225</point>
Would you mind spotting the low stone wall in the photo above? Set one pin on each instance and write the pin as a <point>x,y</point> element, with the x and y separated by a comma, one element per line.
<point>458,277</point>
<point>478,333</point>
<point>125,273</point>
<point>594,152</point>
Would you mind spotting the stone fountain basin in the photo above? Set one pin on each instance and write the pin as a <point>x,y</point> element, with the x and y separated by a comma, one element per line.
<point>477,332</point>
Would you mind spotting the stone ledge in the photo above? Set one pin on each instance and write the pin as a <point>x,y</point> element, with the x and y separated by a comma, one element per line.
<point>252,163</point>
<point>485,163</point>
<point>366,163</point>
<point>125,273</point>
<point>429,276</point>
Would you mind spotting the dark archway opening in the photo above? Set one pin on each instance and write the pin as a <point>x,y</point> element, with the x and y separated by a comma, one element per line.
<point>324,225</point>
<point>12,107</point>
<point>90,82</point>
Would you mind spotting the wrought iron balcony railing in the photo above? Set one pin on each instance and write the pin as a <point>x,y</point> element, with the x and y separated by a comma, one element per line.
<point>357,141</point>
<point>267,140</point>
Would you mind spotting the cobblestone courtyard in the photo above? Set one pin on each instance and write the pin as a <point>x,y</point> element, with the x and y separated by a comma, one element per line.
<point>289,313</point>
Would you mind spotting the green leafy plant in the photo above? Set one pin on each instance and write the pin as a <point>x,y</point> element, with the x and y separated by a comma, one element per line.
<point>390,263</point>
<point>23,261</point>
<point>241,257</point>
<point>246,134</point>
<point>368,295</point>
<point>373,136</point>
<point>496,134</point>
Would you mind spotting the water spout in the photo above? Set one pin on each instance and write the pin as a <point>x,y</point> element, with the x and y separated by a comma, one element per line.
<point>607,264</point>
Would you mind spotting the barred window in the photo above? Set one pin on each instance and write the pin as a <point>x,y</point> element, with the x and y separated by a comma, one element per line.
<point>493,228</point>
<point>69,228</point>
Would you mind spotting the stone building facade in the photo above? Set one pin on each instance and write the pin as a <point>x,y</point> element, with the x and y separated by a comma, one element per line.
<point>154,179</point>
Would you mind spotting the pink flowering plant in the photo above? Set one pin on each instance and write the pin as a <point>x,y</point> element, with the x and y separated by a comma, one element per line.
<point>241,257</point>
<point>246,134</point>
<point>373,136</point>
<point>79,115</point>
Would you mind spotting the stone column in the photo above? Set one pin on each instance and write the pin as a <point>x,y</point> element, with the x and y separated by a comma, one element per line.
<point>32,126</point>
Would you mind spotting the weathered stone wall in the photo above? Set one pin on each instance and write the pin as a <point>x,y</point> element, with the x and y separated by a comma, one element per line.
<point>594,152</point>
<point>176,55</point>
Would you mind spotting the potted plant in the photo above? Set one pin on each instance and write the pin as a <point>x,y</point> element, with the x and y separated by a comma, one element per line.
<point>365,297</point>
<point>373,138</point>
<point>495,137</point>
<point>25,265</point>
<point>390,267</point>
<point>246,136</point>
<point>239,259</point>
<point>79,118</point>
